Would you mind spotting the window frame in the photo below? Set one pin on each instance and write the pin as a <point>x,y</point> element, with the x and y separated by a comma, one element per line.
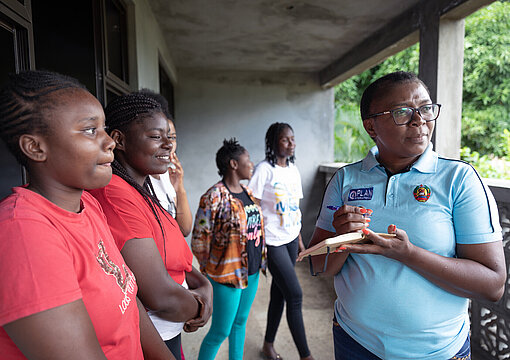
<point>17,18</point>
<point>106,80</point>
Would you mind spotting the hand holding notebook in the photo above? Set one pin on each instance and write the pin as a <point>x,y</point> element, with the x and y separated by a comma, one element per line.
<point>333,243</point>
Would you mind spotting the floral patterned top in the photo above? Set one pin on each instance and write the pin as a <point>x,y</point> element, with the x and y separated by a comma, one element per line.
<point>219,237</point>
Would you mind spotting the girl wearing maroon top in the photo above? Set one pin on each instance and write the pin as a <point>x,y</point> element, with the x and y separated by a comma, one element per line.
<point>148,237</point>
<point>65,291</point>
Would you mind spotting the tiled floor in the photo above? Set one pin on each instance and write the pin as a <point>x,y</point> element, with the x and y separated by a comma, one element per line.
<point>318,298</point>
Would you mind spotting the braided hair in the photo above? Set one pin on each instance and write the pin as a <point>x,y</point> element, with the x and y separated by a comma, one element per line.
<point>163,102</point>
<point>120,113</point>
<point>24,101</point>
<point>272,140</point>
<point>230,150</point>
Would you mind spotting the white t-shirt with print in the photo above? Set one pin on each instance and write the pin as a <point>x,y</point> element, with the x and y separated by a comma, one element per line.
<point>279,189</point>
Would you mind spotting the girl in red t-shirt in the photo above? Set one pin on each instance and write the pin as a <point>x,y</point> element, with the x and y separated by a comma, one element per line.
<point>148,237</point>
<point>65,291</point>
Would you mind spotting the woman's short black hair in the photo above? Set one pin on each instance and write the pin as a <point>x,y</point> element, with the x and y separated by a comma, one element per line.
<point>272,138</point>
<point>230,150</point>
<point>375,88</point>
<point>24,101</point>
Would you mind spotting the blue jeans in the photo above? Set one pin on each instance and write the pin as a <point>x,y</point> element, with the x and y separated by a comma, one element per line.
<point>231,307</point>
<point>346,348</point>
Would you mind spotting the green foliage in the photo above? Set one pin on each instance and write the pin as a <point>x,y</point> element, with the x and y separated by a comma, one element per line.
<point>486,94</point>
<point>351,140</point>
<point>487,166</point>
<point>486,88</point>
<point>484,129</point>
<point>506,132</point>
<point>487,57</point>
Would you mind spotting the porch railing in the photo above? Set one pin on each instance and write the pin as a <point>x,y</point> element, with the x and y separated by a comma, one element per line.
<point>490,322</point>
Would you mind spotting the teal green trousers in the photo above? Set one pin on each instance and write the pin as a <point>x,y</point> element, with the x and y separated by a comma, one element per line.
<point>231,308</point>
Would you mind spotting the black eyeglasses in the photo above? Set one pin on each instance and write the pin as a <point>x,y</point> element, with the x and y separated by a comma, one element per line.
<point>404,115</point>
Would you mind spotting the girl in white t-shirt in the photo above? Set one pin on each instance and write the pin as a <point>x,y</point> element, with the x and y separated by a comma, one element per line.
<point>276,183</point>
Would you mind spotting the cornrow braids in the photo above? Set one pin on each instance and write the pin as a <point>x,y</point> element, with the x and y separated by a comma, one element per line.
<point>24,99</point>
<point>272,139</point>
<point>125,109</point>
<point>120,113</point>
<point>163,102</point>
<point>230,150</point>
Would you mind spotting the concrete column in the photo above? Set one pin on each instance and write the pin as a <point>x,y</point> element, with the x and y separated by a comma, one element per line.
<point>429,48</point>
<point>449,87</point>
<point>441,65</point>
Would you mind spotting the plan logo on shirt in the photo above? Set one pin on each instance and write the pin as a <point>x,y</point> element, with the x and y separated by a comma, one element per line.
<point>361,194</point>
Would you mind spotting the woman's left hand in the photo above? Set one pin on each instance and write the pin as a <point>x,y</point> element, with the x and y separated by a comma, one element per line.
<point>398,247</point>
<point>202,290</point>
<point>202,318</point>
<point>176,174</point>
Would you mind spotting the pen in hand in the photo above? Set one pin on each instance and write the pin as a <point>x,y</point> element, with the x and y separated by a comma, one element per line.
<point>367,212</point>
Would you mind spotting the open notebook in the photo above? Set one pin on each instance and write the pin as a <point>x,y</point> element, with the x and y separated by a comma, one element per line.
<point>333,243</point>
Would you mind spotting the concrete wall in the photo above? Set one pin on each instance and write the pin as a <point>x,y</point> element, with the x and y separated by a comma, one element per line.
<point>150,47</point>
<point>211,106</point>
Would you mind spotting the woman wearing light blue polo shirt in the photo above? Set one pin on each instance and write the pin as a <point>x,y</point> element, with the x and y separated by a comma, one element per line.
<point>407,297</point>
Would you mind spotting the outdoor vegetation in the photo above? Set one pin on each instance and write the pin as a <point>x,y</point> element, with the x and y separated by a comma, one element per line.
<point>485,141</point>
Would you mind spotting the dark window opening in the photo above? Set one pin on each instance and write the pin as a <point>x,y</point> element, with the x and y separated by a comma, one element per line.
<point>14,39</point>
<point>116,39</point>
<point>91,47</point>
<point>166,88</point>
<point>110,95</point>
<point>63,43</point>
<point>8,59</point>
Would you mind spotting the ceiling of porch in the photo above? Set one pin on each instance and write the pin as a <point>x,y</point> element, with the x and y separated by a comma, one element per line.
<point>286,35</point>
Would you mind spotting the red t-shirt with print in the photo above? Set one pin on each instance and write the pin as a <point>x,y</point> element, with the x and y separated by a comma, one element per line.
<point>50,257</point>
<point>130,217</point>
